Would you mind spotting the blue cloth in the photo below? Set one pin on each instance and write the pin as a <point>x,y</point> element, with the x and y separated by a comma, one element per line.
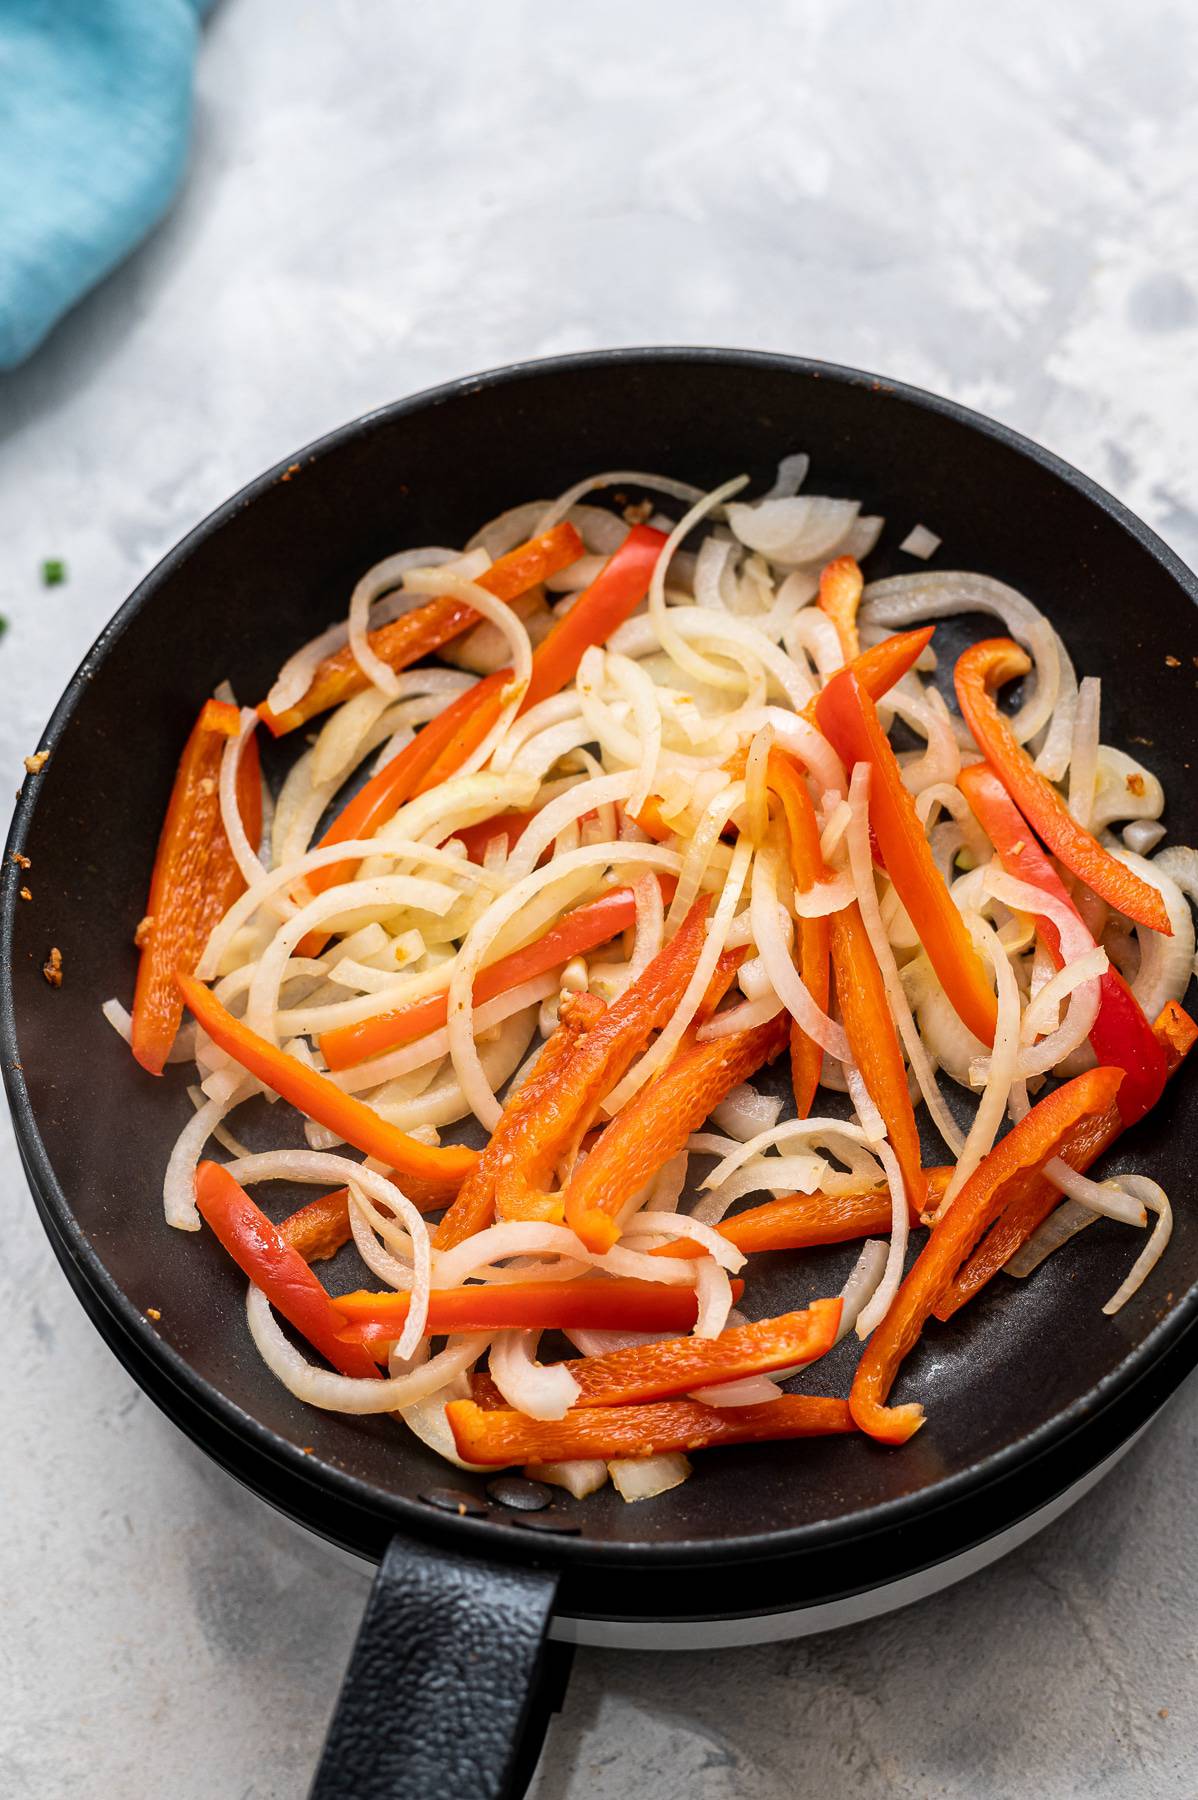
<point>95,115</point>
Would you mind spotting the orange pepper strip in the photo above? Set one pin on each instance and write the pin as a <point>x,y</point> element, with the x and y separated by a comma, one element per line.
<point>319,1229</point>
<point>656,1123</point>
<point>279,1270</point>
<point>419,632</point>
<point>979,670</point>
<point>1121,1036</point>
<point>195,878</point>
<point>611,598</point>
<point>1029,1205</point>
<point>505,1438</point>
<point>525,1151</point>
<point>1042,1133</point>
<point>869,1026</point>
<point>584,928</point>
<point>840,586</point>
<point>849,719</point>
<point>399,780</point>
<point>594,1302</point>
<point>785,776</point>
<point>665,1370</point>
<point>800,1221</point>
<point>428,1175</point>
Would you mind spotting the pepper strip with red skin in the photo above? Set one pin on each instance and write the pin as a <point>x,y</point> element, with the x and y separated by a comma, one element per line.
<point>979,670</point>
<point>849,720</point>
<point>612,597</point>
<point>428,1175</point>
<point>502,1438</point>
<point>1029,1206</point>
<point>593,1302</point>
<point>526,1149</point>
<point>583,929</point>
<point>656,1124</point>
<point>319,1229</point>
<point>426,628</point>
<point>801,1221</point>
<point>840,586</point>
<point>195,880</point>
<point>873,1040</point>
<point>1046,1131</point>
<point>665,1370</point>
<point>785,777</point>
<point>1121,1035</point>
<point>273,1265</point>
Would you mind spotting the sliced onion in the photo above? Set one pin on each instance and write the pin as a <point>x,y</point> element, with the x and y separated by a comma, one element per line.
<point>879,1303</point>
<point>540,1390</point>
<point>644,1477</point>
<point>178,1186</point>
<point>580,1477</point>
<point>119,1018</point>
<point>864,1280</point>
<point>903,599</point>
<point>713,1292</point>
<point>792,473</point>
<point>1143,835</point>
<point>744,1112</point>
<point>921,542</point>
<point>244,854</point>
<point>345,1393</point>
<point>1059,1227</point>
<point>751,1390</point>
<point>1083,759</point>
<point>1125,790</point>
<point>775,953</point>
<point>635,478</point>
<point>1166,963</point>
<point>793,529</point>
<point>673,1225</point>
<point>1155,1200</point>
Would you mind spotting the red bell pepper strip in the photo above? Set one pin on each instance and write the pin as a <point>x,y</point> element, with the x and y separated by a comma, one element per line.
<point>596,1303</point>
<point>785,777</point>
<point>877,670</point>
<point>656,1123</point>
<point>800,1221</point>
<point>279,1270</point>
<point>419,632</point>
<point>1030,1204</point>
<point>873,1040</point>
<point>1046,1131</point>
<point>840,587</point>
<point>1122,1037</point>
<point>979,670</point>
<point>510,826</point>
<point>195,878</point>
<point>319,1229</point>
<point>548,1123</point>
<point>503,1439</point>
<point>428,1175</point>
<point>665,1370</point>
<point>584,928</point>
<point>849,719</point>
<point>399,780</point>
<point>611,598</point>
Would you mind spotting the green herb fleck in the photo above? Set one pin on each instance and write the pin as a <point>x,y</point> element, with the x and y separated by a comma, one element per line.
<point>3,625</point>
<point>54,572</point>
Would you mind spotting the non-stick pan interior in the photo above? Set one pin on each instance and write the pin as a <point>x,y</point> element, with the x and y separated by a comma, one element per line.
<point>276,565</point>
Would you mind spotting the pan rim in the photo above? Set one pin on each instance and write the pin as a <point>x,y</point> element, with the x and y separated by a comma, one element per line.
<point>407,1514</point>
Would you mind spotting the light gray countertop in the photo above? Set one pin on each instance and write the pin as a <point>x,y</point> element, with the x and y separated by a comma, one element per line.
<point>996,203</point>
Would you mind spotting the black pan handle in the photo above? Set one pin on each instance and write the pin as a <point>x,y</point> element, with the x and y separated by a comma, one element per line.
<point>451,1684</point>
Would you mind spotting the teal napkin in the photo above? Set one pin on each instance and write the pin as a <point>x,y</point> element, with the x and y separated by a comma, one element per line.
<point>95,114</point>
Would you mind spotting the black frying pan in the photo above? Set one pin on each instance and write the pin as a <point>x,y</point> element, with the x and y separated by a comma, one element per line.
<point>1026,1390</point>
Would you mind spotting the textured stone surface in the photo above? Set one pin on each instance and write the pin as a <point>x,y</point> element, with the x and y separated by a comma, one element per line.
<point>995,202</point>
